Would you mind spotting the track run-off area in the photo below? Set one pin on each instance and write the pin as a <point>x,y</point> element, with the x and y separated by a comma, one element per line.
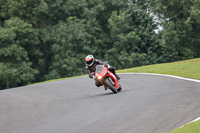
<point>148,103</point>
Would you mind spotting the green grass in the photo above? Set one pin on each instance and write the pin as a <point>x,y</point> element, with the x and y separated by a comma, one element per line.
<point>57,80</point>
<point>189,128</point>
<point>187,69</point>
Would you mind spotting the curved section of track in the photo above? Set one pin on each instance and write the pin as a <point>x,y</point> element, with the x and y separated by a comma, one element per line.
<point>147,104</point>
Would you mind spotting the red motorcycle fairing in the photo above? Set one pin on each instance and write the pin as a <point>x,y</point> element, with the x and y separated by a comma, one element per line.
<point>102,72</point>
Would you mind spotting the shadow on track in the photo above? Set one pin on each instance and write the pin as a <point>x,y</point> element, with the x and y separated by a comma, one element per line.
<point>108,94</point>
<point>103,94</point>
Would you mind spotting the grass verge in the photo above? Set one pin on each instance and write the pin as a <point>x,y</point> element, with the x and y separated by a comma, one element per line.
<point>57,79</point>
<point>193,127</point>
<point>187,69</point>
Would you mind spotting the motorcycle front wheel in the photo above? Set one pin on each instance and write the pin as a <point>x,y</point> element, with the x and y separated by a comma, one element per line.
<point>120,88</point>
<point>110,85</point>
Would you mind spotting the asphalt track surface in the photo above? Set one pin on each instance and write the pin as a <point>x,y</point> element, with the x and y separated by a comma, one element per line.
<point>147,104</point>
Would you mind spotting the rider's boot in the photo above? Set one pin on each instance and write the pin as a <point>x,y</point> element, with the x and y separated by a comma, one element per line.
<point>112,69</point>
<point>117,76</point>
<point>105,88</point>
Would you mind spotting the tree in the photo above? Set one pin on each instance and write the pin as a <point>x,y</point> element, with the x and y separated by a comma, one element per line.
<point>133,36</point>
<point>68,50</point>
<point>181,25</point>
<point>14,62</point>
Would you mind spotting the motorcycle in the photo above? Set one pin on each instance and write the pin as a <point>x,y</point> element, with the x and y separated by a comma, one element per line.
<point>107,78</point>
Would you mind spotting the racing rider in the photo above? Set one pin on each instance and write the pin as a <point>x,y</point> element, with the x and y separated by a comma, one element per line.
<point>91,64</point>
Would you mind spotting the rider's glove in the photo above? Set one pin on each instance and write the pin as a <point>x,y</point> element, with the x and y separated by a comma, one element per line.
<point>91,75</point>
<point>108,66</point>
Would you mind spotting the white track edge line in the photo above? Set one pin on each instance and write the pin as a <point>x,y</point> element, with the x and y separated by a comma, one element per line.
<point>172,76</point>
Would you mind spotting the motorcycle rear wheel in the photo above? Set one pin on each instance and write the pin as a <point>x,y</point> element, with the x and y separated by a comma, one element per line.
<point>109,84</point>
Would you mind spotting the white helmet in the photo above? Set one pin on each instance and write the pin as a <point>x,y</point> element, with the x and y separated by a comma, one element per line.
<point>89,60</point>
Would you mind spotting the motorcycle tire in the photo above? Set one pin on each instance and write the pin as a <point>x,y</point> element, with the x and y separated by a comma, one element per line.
<point>120,88</point>
<point>109,84</point>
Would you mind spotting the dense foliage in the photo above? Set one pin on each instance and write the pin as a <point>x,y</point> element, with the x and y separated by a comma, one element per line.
<point>48,39</point>
<point>181,22</point>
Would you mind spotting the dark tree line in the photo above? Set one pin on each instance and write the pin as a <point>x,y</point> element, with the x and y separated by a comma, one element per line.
<point>48,39</point>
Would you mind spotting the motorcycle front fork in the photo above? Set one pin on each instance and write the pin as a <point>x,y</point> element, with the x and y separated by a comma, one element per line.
<point>111,81</point>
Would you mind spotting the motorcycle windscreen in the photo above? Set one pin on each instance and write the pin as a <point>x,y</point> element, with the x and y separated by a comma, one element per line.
<point>99,68</point>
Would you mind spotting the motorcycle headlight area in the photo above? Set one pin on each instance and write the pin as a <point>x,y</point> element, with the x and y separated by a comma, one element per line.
<point>99,77</point>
